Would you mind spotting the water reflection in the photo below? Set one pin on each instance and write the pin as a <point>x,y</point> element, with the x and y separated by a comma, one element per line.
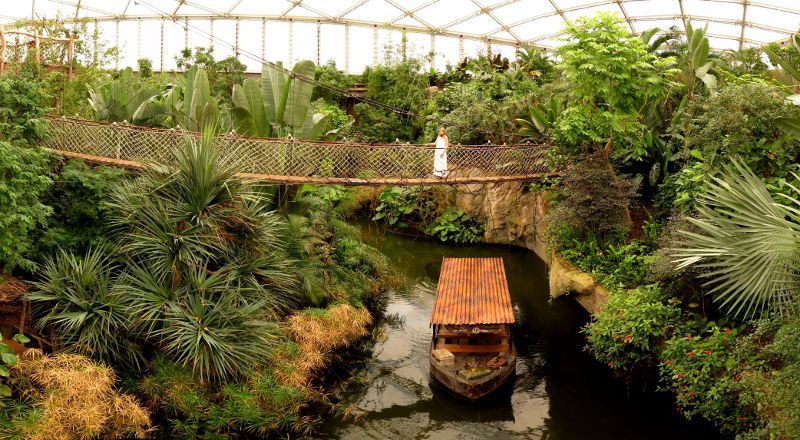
<point>559,393</point>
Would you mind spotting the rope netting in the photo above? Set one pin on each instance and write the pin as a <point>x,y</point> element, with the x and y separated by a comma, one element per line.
<point>299,161</point>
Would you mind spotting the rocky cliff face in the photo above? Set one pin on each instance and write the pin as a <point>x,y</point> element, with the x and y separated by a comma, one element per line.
<point>514,215</point>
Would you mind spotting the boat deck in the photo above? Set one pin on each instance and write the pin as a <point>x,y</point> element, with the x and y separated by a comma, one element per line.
<point>470,360</point>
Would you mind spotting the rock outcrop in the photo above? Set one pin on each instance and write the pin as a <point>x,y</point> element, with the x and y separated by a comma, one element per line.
<point>583,287</point>
<point>514,215</point>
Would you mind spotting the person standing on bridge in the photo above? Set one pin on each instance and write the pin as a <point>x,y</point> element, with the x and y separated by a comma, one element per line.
<point>440,154</point>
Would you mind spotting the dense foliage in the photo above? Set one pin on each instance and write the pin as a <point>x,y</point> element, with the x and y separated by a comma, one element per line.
<point>24,176</point>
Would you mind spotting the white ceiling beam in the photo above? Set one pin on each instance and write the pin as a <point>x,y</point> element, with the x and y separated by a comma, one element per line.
<point>78,6</point>
<point>295,3</point>
<point>316,11</point>
<point>235,4</point>
<point>625,15</point>
<point>475,14</point>
<point>559,11</point>
<point>488,11</point>
<point>178,6</point>
<point>744,21</point>
<point>412,11</point>
<point>351,9</point>
<point>411,14</point>
<point>203,7</point>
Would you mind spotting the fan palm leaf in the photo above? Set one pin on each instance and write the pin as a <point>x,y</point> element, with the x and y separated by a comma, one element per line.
<point>747,243</point>
<point>76,295</point>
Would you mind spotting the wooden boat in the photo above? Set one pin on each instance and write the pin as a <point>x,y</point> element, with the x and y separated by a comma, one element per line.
<point>472,349</point>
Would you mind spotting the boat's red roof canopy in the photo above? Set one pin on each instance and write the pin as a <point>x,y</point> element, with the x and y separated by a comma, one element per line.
<point>472,291</point>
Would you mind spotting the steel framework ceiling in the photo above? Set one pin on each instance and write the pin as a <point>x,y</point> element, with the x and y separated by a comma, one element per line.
<point>732,24</point>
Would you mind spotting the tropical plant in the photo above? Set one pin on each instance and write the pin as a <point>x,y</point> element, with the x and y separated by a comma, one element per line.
<point>534,61</point>
<point>192,105</point>
<point>22,103</point>
<point>455,225</point>
<point>661,43</point>
<point>542,118</point>
<point>126,100</point>
<point>591,199</point>
<point>741,120</point>
<point>703,367</point>
<point>222,74</point>
<point>76,295</point>
<point>8,359</point>
<point>697,62</point>
<point>746,242</point>
<point>78,200</point>
<point>625,331</point>
<point>203,245</point>
<point>280,105</point>
<point>396,204</point>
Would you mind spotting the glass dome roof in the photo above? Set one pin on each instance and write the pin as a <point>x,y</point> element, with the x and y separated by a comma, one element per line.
<point>352,31</point>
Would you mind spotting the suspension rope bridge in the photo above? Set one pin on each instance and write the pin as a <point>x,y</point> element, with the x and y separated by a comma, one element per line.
<point>293,161</point>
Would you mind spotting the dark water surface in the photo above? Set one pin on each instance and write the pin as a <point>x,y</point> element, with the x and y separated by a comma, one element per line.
<point>560,391</point>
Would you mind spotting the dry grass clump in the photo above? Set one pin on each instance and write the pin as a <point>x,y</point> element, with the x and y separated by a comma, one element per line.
<point>316,332</point>
<point>76,399</point>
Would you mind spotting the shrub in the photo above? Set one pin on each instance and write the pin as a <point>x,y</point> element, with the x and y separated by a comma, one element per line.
<point>80,215</point>
<point>612,261</point>
<point>74,398</point>
<point>589,199</point>
<point>24,177</point>
<point>626,331</point>
<point>739,120</point>
<point>769,384</point>
<point>456,226</point>
<point>702,367</point>
<point>75,294</point>
<point>22,104</point>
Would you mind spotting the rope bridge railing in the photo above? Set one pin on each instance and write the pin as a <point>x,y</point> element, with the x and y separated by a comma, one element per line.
<point>299,161</point>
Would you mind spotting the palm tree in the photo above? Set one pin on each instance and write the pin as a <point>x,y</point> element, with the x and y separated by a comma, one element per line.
<point>78,296</point>
<point>747,242</point>
<point>209,266</point>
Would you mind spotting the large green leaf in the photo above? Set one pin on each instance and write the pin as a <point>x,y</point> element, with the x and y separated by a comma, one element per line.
<point>255,101</point>
<point>273,82</point>
<point>298,99</point>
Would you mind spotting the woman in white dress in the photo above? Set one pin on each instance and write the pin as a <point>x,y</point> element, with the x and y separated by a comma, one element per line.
<point>440,155</point>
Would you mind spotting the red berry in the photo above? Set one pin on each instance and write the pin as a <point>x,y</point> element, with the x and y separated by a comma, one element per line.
<point>708,351</point>
<point>727,330</point>
<point>690,353</point>
<point>689,337</point>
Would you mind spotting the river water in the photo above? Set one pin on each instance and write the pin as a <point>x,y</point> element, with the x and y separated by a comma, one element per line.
<point>560,392</point>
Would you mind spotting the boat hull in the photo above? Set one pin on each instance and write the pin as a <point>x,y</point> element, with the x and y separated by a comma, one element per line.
<point>472,390</point>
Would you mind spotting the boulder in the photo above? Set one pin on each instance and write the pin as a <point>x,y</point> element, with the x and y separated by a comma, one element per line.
<point>583,287</point>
